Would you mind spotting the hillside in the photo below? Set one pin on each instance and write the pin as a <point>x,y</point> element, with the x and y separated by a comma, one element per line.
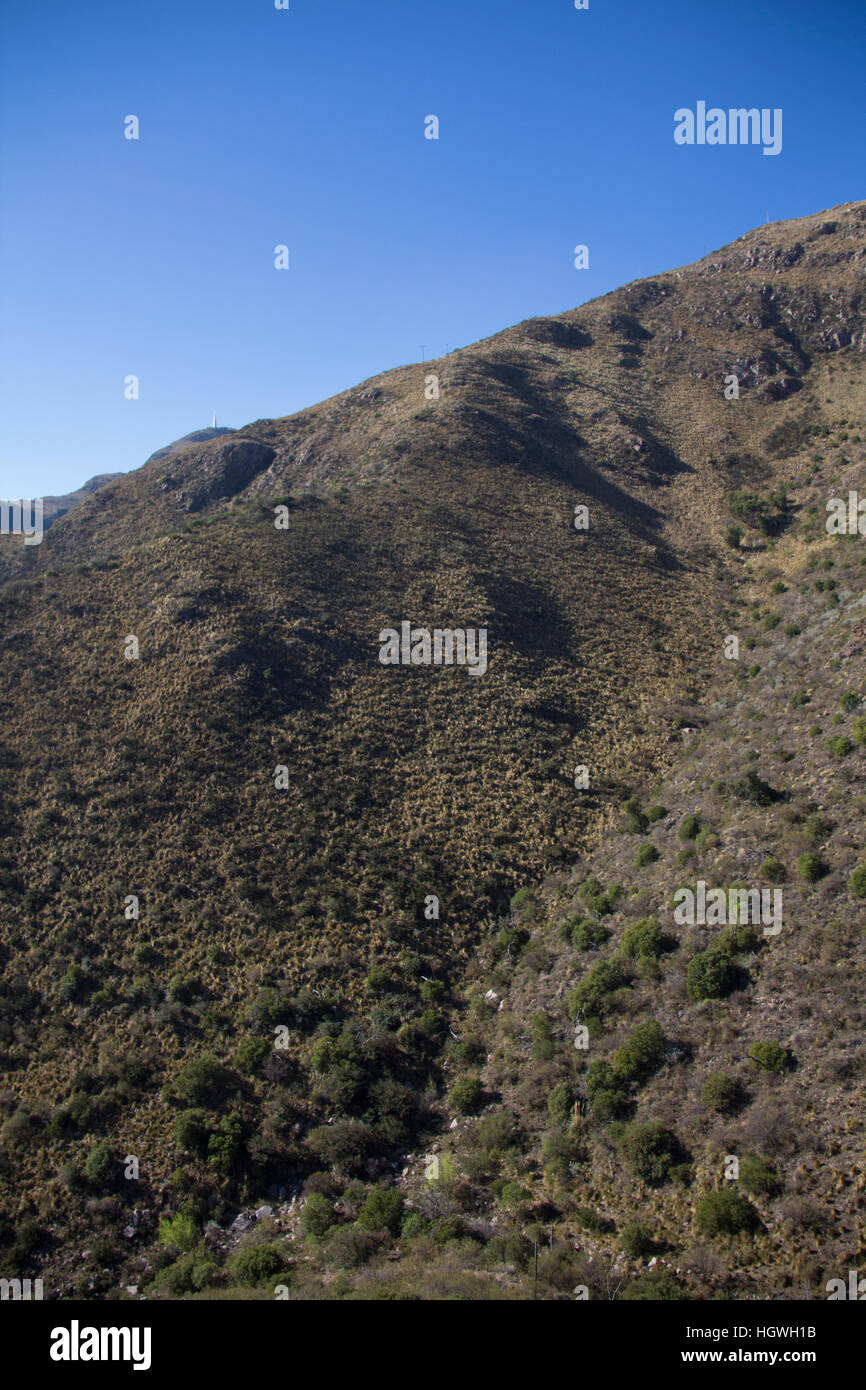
<point>301,906</point>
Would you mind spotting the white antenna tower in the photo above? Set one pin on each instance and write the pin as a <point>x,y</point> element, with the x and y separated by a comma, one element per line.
<point>214,420</point>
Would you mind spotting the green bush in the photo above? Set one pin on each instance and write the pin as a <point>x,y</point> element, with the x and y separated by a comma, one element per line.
<point>180,1231</point>
<point>636,1239</point>
<point>75,985</point>
<point>643,938</point>
<point>586,933</point>
<point>773,869</point>
<point>382,1211</point>
<point>523,903</point>
<point>811,867</point>
<point>102,1166</point>
<point>636,820</point>
<point>769,1056</point>
<point>725,1214</point>
<point>655,812</point>
<point>255,1265</point>
<point>224,1144</point>
<point>588,1219</point>
<point>656,1287</point>
<point>188,1274</point>
<point>710,974</point>
<point>641,1053</point>
<point>651,1151</point>
<point>560,1103</point>
<point>543,1042</point>
<point>689,827</point>
<point>719,1092</point>
<point>192,1131</point>
<point>753,788</point>
<point>466,1095</point>
<point>840,747</point>
<point>647,854</point>
<point>857,881</point>
<point>317,1215</point>
<point>203,1081</point>
<point>558,1151</point>
<point>758,1178</point>
<point>251,1053</point>
<point>591,994</point>
<point>858,730</point>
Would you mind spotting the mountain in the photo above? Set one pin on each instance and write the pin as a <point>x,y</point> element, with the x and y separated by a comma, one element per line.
<point>53,508</point>
<point>187,441</point>
<point>293,927</point>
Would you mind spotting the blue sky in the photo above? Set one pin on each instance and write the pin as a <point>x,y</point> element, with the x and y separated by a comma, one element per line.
<point>305,127</point>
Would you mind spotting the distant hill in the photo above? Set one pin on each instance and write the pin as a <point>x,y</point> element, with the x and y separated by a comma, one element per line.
<point>196,437</point>
<point>56,507</point>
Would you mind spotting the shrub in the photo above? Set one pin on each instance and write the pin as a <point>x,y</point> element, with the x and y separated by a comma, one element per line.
<point>689,826</point>
<point>650,1150</point>
<point>758,1178</point>
<point>543,1043</point>
<point>647,854</point>
<point>510,1248</point>
<point>345,1144</point>
<point>413,1226</point>
<point>636,820</point>
<point>560,1103</point>
<point>641,1053</point>
<point>523,903</point>
<point>192,1131</point>
<point>840,747</point>
<point>189,1274</point>
<point>811,867</point>
<point>655,812</point>
<point>251,1053</point>
<point>636,1239</point>
<point>255,1264</point>
<point>773,869</point>
<point>180,1231</point>
<point>514,1196</point>
<point>719,1092</point>
<point>558,1152</point>
<point>751,787</point>
<point>317,1215</point>
<point>725,1214</point>
<point>643,938</point>
<point>203,1081</point>
<point>75,985</point>
<point>377,979</point>
<point>858,730</point>
<point>102,1166</point>
<point>590,995</point>
<point>710,974</point>
<point>588,1219</point>
<point>655,1287</point>
<point>769,1056</point>
<point>494,1132</point>
<point>466,1095</point>
<point>857,881</point>
<point>224,1144</point>
<point>586,933</point>
<point>382,1211</point>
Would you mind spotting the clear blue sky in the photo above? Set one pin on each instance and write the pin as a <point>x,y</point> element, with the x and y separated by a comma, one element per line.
<point>306,127</point>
